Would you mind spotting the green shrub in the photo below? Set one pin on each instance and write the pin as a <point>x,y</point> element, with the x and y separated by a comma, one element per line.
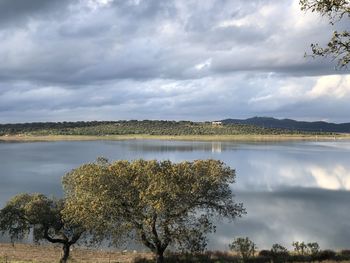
<point>208,257</point>
<point>258,259</point>
<point>265,253</point>
<point>244,247</point>
<point>345,252</point>
<point>299,248</point>
<point>326,255</point>
<point>313,249</point>
<point>343,255</point>
<point>298,258</point>
<point>279,253</point>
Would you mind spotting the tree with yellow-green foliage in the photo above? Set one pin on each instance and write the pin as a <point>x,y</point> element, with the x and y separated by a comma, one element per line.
<point>163,203</point>
<point>42,215</point>
<point>338,46</point>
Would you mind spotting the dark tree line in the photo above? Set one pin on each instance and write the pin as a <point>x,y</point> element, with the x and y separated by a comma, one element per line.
<point>134,127</point>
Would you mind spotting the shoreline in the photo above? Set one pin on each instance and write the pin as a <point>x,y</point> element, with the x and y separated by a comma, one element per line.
<point>239,138</point>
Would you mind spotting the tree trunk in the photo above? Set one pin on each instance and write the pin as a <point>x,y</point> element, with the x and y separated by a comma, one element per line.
<point>159,257</point>
<point>66,250</point>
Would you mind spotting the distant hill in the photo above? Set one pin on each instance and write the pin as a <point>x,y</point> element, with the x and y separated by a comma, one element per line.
<point>253,126</point>
<point>148,127</point>
<point>317,126</point>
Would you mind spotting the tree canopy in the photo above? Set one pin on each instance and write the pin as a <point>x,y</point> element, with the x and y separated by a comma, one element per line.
<point>145,127</point>
<point>163,203</point>
<point>338,46</point>
<point>42,215</point>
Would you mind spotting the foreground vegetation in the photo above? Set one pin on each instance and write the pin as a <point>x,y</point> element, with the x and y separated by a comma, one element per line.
<point>42,215</point>
<point>25,253</point>
<point>167,207</point>
<point>158,203</point>
<point>163,204</point>
<point>246,250</point>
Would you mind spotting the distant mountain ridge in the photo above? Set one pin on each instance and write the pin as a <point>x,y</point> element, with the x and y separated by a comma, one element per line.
<point>268,122</point>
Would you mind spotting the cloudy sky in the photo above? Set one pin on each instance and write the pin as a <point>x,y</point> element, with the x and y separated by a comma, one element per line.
<point>170,59</point>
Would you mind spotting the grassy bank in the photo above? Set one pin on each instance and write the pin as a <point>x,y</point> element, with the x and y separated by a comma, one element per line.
<point>282,137</point>
<point>24,253</point>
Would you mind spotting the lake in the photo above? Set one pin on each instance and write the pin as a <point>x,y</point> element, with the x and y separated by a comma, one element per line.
<point>293,191</point>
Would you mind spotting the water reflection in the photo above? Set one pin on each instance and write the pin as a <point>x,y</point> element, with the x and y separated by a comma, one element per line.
<point>292,190</point>
<point>335,178</point>
<point>289,215</point>
<point>216,147</point>
<point>174,146</point>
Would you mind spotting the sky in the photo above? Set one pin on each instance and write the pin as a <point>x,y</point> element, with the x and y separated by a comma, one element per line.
<point>70,60</point>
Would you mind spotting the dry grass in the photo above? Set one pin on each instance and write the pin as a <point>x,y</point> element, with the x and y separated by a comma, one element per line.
<point>19,253</point>
<point>25,253</point>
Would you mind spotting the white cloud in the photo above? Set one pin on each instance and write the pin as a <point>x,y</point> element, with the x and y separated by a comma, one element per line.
<point>95,4</point>
<point>336,86</point>
<point>205,64</point>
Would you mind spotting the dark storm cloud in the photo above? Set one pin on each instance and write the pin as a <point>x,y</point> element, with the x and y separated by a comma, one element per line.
<point>17,12</point>
<point>178,56</point>
<point>144,40</point>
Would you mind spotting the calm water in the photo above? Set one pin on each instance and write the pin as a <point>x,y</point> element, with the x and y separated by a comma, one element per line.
<point>291,190</point>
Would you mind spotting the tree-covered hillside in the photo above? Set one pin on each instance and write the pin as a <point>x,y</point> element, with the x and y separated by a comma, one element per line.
<point>146,127</point>
<point>315,126</point>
